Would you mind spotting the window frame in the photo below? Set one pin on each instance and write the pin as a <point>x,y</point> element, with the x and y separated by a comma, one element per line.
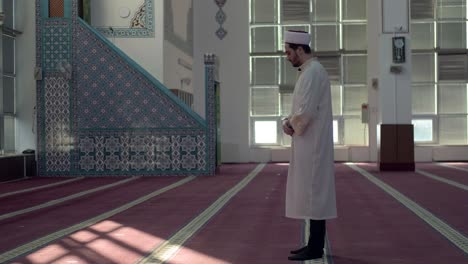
<point>339,22</point>
<point>8,128</point>
<point>430,14</point>
<point>435,131</point>
<point>279,130</point>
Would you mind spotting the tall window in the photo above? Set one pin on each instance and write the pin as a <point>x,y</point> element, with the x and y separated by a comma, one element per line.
<point>8,78</point>
<point>440,71</point>
<point>339,40</point>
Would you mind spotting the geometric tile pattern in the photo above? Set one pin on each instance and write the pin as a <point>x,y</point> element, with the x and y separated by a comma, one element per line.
<point>57,124</point>
<point>39,43</point>
<point>211,113</point>
<point>110,94</point>
<point>109,117</point>
<point>56,33</point>
<point>146,153</point>
<point>39,84</point>
<point>141,26</point>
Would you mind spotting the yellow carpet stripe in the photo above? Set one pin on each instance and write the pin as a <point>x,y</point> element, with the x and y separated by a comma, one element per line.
<point>457,238</point>
<point>452,167</point>
<point>167,249</point>
<point>325,258</point>
<point>64,199</point>
<point>33,245</point>
<point>447,181</point>
<point>40,187</point>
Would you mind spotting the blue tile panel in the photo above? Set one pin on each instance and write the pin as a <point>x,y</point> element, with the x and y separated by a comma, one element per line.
<point>110,118</point>
<point>210,81</point>
<point>141,153</point>
<point>56,42</point>
<point>57,123</point>
<point>110,94</point>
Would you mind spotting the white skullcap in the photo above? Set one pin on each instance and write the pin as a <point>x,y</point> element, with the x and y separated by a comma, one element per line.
<point>294,37</point>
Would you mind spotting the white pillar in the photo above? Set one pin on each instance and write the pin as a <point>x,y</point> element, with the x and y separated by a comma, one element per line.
<point>394,89</point>
<point>374,26</point>
<point>395,141</point>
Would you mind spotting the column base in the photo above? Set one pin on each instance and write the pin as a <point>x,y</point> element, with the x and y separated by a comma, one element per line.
<point>396,147</point>
<point>397,166</point>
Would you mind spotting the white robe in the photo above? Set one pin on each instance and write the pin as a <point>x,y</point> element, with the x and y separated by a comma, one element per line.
<point>310,190</point>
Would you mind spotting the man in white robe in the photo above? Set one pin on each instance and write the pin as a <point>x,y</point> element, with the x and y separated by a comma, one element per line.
<point>310,190</point>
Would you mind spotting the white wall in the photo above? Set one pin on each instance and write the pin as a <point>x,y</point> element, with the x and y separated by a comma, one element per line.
<point>25,83</point>
<point>373,49</point>
<point>395,89</point>
<point>178,61</point>
<point>233,54</point>
<point>105,13</point>
<point>147,52</point>
<point>175,73</point>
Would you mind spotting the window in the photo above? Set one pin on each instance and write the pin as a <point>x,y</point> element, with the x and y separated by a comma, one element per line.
<point>423,130</point>
<point>440,71</point>
<point>339,39</point>
<point>335,132</point>
<point>265,132</point>
<point>8,79</point>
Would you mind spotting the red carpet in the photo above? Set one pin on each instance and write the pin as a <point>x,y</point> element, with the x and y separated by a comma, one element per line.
<point>463,165</point>
<point>373,227</point>
<point>127,236</point>
<point>448,173</point>
<point>18,202</point>
<point>22,229</point>
<point>427,193</point>
<point>251,228</point>
<point>7,187</point>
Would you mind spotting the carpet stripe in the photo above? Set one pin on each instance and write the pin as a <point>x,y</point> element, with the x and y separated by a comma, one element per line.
<point>166,250</point>
<point>452,167</point>
<point>327,251</point>
<point>441,179</point>
<point>15,180</point>
<point>40,187</point>
<point>40,242</point>
<point>64,199</point>
<point>457,238</point>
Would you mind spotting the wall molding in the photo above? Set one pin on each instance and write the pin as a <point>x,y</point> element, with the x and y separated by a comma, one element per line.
<point>141,26</point>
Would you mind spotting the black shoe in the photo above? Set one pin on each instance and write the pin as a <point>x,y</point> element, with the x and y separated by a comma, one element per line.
<point>306,255</point>
<point>297,251</point>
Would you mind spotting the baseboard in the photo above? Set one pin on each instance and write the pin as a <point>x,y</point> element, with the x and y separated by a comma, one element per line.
<point>397,166</point>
